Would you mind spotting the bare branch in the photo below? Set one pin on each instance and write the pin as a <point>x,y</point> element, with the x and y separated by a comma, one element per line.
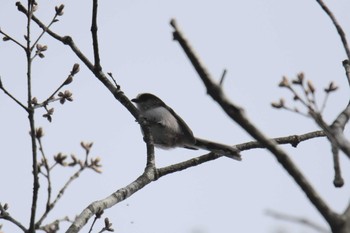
<point>334,134</point>
<point>54,19</point>
<point>6,215</point>
<point>94,36</point>
<point>8,37</point>
<point>299,220</point>
<point>36,184</point>
<point>62,96</point>
<point>186,164</point>
<point>344,116</point>
<point>294,140</point>
<point>337,26</point>
<point>59,195</point>
<point>47,176</point>
<point>113,79</point>
<point>338,179</point>
<point>237,114</point>
<point>119,95</point>
<point>11,96</point>
<point>215,91</point>
<point>97,216</point>
<point>67,40</point>
<point>222,77</point>
<point>54,226</point>
<point>116,197</point>
<point>346,65</point>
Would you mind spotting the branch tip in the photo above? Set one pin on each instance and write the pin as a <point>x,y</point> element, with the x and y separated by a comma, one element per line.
<point>173,23</point>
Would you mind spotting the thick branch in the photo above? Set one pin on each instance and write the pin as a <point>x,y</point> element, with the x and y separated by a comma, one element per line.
<point>110,201</point>
<point>150,175</point>
<point>237,114</point>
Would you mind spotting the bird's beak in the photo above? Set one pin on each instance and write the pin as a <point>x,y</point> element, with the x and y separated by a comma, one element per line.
<point>135,100</point>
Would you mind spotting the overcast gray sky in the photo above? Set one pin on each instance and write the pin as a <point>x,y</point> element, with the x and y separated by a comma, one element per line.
<point>256,41</point>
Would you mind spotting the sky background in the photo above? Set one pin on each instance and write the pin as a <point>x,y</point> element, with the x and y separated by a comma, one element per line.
<point>256,41</point>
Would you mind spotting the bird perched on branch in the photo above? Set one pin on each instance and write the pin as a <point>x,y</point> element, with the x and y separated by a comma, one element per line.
<point>169,130</point>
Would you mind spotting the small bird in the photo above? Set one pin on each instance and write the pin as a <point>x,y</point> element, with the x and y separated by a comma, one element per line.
<point>169,130</point>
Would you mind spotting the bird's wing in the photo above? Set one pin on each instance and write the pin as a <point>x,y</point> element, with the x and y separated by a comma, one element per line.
<point>185,129</point>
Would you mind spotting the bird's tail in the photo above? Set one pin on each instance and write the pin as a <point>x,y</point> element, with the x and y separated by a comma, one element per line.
<point>228,151</point>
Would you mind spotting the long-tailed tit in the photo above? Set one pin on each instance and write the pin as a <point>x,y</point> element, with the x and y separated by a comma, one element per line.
<point>169,130</point>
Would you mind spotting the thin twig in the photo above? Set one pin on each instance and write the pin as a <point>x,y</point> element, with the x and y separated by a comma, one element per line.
<point>113,79</point>
<point>35,172</point>
<point>60,194</point>
<point>12,39</point>
<point>93,223</point>
<point>63,97</point>
<point>313,102</point>
<point>44,31</point>
<point>294,140</point>
<point>299,220</point>
<point>51,97</point>
<point>222,77</point>
<point>324,102</point>
<point>335,131</point>
<point>67,40</point>
<point>343,118</point>
<point>294,110</point>
<point>51,227</point>
<point>46,102</point>
<point>346,65</point>
<point>5,215</point>
<point>47,176</point>
<point>83,166</point>
<point>11,96</point>
<point>186,164</point>
<point>97,64</point>
<point>298,97</point>
<point>337,26</point>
